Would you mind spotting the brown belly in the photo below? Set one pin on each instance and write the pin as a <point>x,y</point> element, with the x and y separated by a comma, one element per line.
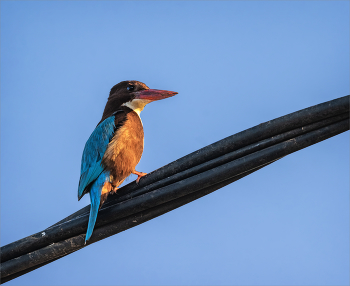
<point>125,149</point>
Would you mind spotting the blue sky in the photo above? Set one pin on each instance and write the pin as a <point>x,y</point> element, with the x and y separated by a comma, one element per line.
<point>235,64</point>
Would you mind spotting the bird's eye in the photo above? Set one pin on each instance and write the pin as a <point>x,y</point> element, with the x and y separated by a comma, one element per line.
<point>130,87</point>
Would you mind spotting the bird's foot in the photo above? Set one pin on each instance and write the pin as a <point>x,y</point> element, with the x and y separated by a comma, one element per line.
<point>139,175</point>
<point>114,190</point>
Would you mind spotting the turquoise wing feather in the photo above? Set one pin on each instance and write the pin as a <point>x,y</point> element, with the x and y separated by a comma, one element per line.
<point>93,153</point>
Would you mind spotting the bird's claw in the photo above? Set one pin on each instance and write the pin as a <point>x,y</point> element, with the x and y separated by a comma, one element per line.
<point>138,179</point>
<point>114,190</point>
<point>139,175</point>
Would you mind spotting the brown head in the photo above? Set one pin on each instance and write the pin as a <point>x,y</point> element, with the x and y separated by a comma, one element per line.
<point>133,94</point>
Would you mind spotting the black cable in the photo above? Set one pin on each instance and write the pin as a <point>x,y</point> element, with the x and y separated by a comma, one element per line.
<point>191,176</point>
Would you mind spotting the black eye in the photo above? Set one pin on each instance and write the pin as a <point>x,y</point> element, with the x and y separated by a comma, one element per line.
<point>130,87</point>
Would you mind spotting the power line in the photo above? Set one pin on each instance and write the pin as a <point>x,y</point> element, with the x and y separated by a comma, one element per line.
<point>179,183</point>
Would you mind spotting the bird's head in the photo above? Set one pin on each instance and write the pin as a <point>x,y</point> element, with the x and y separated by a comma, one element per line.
<point>135,95</point>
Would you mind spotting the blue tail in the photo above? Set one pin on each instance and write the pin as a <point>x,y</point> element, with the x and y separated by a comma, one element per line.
<point>95,198</point>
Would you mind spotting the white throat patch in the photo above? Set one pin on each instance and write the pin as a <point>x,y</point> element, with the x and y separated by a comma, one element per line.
<point>137,105</point>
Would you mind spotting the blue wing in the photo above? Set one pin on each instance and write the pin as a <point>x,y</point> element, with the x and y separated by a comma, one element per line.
<point>93,153</point>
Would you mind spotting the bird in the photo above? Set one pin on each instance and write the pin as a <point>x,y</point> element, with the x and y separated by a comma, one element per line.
<point>115,146</point>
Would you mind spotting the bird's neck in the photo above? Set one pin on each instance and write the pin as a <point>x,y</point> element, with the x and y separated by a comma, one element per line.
<point>111,106</point>
<point>137,105</point>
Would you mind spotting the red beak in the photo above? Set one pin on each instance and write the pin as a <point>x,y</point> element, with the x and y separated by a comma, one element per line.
<point>154,94</point>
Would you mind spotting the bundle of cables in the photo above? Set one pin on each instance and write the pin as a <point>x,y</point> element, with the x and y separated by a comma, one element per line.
<point>180,182</point>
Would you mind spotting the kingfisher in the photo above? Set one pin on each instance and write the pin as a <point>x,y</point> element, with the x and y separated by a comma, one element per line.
<point>115,146</point>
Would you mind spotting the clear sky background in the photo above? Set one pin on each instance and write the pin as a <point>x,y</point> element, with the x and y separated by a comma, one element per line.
<point>234,64</point>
